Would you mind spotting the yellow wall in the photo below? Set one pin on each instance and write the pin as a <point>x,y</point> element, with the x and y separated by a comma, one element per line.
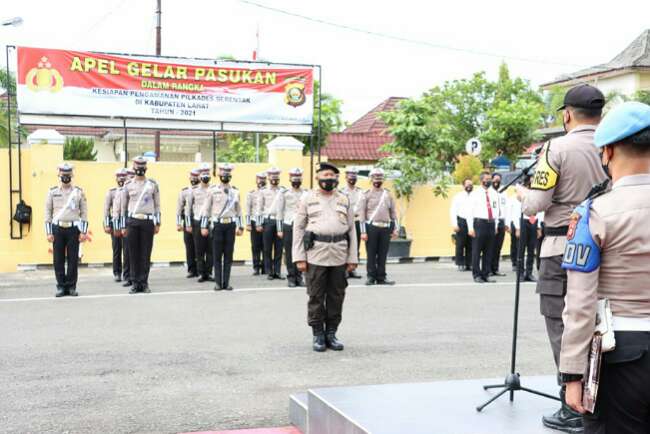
<point>426,216</point>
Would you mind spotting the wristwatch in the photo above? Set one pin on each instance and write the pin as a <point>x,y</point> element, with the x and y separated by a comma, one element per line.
<point>568,378</point>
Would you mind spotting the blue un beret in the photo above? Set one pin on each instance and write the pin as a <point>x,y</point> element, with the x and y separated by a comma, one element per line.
<point>621,122</point>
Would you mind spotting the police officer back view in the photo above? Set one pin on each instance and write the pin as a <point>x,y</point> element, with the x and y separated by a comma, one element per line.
<point>184,224</point>
<point>140,204</point>
<point>324,247</point>
<point>378,226</point>
<point>66,225</point>
<point>608,257</point>
<point>568,167</point>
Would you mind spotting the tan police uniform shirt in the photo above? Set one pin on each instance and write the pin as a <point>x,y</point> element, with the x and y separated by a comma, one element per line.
<point>110,207</point>
<point>141,197</point>
<point>568,168</point>
<point>270,201</point>
<point>253,201</point>
<point>354,194</point>
<point>197,197</point>
<point>183,219</point>
<point>325,214</point>
<point>372,206</point>
<point>221,202</point>
<point>618,222</point>
<point>288,204</point>
<point>67,205</point>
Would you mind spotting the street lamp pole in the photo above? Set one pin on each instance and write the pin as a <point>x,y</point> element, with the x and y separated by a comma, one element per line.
<point>158,51</point>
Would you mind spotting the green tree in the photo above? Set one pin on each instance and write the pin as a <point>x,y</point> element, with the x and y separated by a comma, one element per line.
<point>331,118</point>
<point>241,148</point>
<point>8,83</point>
<point>80,149</point>
<point>553,99</point>
<point>468,166</point>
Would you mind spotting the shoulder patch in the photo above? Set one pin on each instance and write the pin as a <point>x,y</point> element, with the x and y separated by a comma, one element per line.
<point>545,177</point>
<point>581,252</point>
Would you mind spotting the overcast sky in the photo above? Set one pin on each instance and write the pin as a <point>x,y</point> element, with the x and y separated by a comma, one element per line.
<point>558,36</point>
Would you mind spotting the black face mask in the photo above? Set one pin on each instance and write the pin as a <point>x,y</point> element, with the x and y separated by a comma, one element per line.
<point>205,179</point>
<point>66,179</point>
<point>261,184</point>
<point>225,179</point>
<point>275,181</point>
<point>120,182</point>
<point>496,184</point>
<point>377,184</point>
<point>194,181</point>
<point>140,171</point>
<point>352,181</point>
<point>296,184</point>
<point>487,184</point>
<point>469,188</point>
<point>328,184</point>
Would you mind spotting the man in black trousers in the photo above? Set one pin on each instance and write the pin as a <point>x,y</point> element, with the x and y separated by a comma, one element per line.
<point>483,212</point>
<point>501,226</point>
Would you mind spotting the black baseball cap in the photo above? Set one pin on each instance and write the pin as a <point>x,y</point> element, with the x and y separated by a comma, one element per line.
<point>584,96</point>
<point>327,166</point>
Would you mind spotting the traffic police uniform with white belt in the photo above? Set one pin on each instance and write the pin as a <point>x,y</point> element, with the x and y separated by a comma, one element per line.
<point>354,193</point>
<point>140,205</point>
<point>184,224</point>
<point>202,245</point>
<point>253,199</point>
<point>111,223</point>
<point>269,203</point>
<point>608,257</point>
<point>66,224</point>
<point>286,211</point>
<point>378,225</point>
<point>222,213</point>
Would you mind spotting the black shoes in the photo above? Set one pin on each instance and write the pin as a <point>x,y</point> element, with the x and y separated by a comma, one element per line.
<point>72,292</point>
<point>117,277</point>
<point>332,342</point>
<point>479,280</point>
<point>564,419</point>
<point>60,292</point>
<point>370,281</point>
<point>385,282</point>
<point>205,279</point>
<point>133,290</point>
<point>461,268</point>
<point>319,342</point>
<point>529,278</point>
<point>353,275</point>
<point>191,275</point>
<point>270,277</point>
<point>497,273</point>
<point>488,280</point>
<point>127,283</point>
<point>257,272</point>
<point>292,284</point>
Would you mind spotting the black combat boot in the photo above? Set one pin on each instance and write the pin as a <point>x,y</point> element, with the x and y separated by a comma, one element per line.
<point>564,419</point>
<point>319,340</point>
<point>127,283</point>
<point>353,275</point>
<point>117,277</point>
<point>332,342</point>
<point>60,291</point>
<point>72,292</point>
<point>370,281</point>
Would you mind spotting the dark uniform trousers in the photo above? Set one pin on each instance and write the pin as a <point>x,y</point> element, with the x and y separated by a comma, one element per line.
<point>498,245</point>
<point>463,244</point>
<point>190,253</point>
<point>202,250</point>
<point>65,249</point>
<point>140,245</point>
<point>482,247</point>
<point>257,246</point>
<point>272,248</point>
<point>223,246</point>
<point>377,251</point>
<point>551,287</point>
<point>126,270</point>
<point>623,404</point>
<point>293,275</point>
<point>528,236</point>
<point>539,246</point>
<point>357,226</point>
<point>326,289</point>
<point>118,250</point>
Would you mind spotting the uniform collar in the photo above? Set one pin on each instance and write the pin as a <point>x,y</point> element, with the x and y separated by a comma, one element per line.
<point>581,128</point>
<point>631,180</point>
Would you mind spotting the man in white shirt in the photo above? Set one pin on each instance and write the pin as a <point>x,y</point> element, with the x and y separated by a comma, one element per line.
<point>482,222</point>
<point>458,219</point>
<point>528,235</point>
<point>501,226</point>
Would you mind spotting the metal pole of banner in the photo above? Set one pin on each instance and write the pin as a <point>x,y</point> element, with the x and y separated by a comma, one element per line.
<point>126,147</point>
<point>311,161</point>
<point>320,102</point>
<point>214,153</point>
<point>11,196</point>
<point>257,147</point>
<point>158,50</point>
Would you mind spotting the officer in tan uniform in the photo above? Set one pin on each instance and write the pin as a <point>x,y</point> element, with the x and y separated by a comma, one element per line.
<point>608,257</point>
<point>324,247</point>
<point>222,212</point>
<point>354,193</point>
<point>184,224</point>
<point>269,203</point>
<point>140,205</point>
<point>66,225</point>
<point>119,223</point>
<point>286,213</point>
<point>202,245</point>
<point>253,199</point>
<point>567,169</point>
<point>378,226</point>
<point>111,224</point>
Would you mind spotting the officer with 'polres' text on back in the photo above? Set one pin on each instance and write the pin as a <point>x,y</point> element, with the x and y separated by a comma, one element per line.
<point>567,169</point>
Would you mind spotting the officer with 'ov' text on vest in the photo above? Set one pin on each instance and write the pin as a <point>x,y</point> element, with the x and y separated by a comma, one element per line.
<point>66,225</point>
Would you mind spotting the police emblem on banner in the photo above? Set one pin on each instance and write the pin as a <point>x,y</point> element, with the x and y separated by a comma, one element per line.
<point>295,92</point>
<point>43,77</point>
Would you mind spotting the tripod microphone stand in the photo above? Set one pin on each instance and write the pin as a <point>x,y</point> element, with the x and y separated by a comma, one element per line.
<point>512,382</point>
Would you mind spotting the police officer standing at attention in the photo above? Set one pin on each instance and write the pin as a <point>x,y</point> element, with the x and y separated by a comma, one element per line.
<point>286,212</point>
<point>184,224</point>
<point>458,218</point>
<point>126,272</point>
<point>253,199</point>
<point>608,257</point>
<point>202,245</point>
<point>222,210</point>
<point>354,193</point>
<point>501,226</point>
<point>324,247</point>
<point>140,204</point>
<point>483,211</point>
<point>269,203</point>
<point>378,226</point>
<point>66,225</point>
<point>111,224</point>
<point>567,169</point>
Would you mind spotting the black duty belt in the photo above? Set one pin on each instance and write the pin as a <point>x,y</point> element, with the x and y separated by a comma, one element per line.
<point>558,231</point>
<point>330,238</point>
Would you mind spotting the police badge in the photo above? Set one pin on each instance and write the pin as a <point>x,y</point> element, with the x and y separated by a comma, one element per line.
<point>295,92</point>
